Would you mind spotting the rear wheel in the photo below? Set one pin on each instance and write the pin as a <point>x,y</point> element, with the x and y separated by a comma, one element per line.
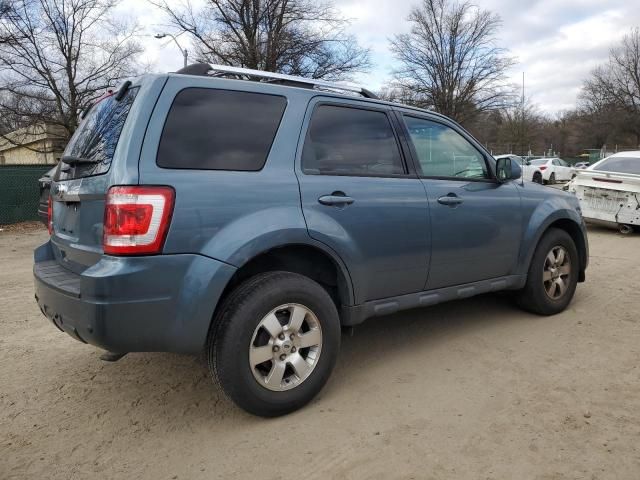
<point>537,178</point>
<point>552,276</point>
<point>625,229</point>
<point>275,342</point>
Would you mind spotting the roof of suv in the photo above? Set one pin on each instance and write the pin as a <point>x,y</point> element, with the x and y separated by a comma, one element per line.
<point>289,81</point>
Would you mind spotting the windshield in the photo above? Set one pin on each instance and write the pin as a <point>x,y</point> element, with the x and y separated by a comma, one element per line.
<point>619,164</point>
<point>539,161</point>
<point>95,140</point>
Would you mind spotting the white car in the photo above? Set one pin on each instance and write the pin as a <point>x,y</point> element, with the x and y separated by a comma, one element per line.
<point>609,191</point>
<point>554,169</point>
<point>529,172</point>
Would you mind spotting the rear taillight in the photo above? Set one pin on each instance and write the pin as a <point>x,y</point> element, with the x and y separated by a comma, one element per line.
<point>544,167</point>
<point>50,215</point>
<point>136,219</point>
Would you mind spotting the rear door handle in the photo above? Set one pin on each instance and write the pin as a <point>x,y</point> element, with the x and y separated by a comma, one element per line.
<point>451,200</point>
<point>336,199</point>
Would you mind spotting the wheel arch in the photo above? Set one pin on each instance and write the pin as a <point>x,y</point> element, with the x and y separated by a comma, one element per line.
<point>575,229</point>
<point>311,260</point>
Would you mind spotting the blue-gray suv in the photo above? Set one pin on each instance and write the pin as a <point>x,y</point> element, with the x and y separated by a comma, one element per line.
<point>252,215</point>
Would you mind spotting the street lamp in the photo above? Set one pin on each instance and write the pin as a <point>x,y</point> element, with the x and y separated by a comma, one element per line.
<point>184,51</point>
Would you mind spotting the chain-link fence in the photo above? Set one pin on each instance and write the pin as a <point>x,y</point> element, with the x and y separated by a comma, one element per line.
<point>20,192</point>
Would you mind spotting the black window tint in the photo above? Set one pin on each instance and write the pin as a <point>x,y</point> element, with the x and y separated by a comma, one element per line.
<point>443,152</point>
<point>97,136</point>
<point>219,130</point>
<point>350,141</point>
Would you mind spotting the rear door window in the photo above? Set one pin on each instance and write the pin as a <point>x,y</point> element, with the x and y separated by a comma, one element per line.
<point>345,140</point>
<point>95,140</point>
<point>211,129</point>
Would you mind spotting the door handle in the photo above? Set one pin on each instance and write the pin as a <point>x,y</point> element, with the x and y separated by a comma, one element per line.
<point>336,199</point>
<point>451,200</point>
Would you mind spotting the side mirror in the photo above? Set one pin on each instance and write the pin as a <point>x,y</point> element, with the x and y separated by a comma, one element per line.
<point>507,169</point>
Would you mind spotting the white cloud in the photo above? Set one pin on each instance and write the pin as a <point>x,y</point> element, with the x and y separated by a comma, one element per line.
<point>556,42</point>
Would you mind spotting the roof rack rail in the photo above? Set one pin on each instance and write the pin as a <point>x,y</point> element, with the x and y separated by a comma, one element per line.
<point>292,80</point>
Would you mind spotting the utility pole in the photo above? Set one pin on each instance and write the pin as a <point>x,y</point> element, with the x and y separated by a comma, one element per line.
<point>522,123</point>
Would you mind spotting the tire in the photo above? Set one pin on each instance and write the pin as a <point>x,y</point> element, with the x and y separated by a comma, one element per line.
<point>535,296</point>
<point>625,229</point>
<point>239,331</point>
<point>537,178</point>
<point>552,179</point>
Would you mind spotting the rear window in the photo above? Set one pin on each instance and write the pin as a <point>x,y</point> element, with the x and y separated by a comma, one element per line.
<point>219,130</point>
<point>620,165</point>
<point>97,136</point>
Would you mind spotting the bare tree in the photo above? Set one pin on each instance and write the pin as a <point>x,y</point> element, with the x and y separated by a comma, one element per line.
<point>57,58</point>
<point>520,126</point>
<point>450,61</point>
<point>297,37</point>
<point>612,92</point>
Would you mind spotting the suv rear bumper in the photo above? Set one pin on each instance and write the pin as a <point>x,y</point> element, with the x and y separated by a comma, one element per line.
<point>133,304</point>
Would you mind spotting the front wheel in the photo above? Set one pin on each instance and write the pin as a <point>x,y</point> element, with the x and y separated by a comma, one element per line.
<point>553,274</point>
<point>274,343</point>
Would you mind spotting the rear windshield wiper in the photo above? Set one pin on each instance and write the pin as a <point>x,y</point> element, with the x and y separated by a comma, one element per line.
<point>70,160</point>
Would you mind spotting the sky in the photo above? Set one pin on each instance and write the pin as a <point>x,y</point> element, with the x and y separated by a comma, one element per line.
<point>556,43</point>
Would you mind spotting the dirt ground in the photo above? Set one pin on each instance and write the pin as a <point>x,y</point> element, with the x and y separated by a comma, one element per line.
<point>467,390</point>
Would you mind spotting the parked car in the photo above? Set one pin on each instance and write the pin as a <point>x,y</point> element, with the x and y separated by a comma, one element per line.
<point>581,165</point>
<point>553,169</point>
<point>251,215</point>
<point>609,191</point>
<point>530,173</point>
<point>43,205</point>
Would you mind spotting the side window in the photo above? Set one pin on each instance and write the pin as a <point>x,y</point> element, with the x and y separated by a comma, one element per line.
<point>443,152</point>
<point>219,130</point>
<point>557,163</point>
<point>350,141</point>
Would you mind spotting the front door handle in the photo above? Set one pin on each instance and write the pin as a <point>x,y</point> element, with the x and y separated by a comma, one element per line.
<point>451,200</point>
<point>336,199</point>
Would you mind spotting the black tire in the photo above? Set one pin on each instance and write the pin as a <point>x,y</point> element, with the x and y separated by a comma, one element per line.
<point>533,297</point>
<point>537,178</point>
<point>234,326</point>
<point>552,179</point>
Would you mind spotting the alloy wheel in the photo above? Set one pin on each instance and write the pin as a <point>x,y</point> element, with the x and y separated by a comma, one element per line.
<point>285,347</point>
<point>555,275</point>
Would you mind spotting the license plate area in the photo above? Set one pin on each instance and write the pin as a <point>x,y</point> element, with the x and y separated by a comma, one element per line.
<point>604,200</point>
<point>66,218</point>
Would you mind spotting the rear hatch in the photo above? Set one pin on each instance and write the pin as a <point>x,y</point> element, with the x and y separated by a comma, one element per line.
<point>82,178</point>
